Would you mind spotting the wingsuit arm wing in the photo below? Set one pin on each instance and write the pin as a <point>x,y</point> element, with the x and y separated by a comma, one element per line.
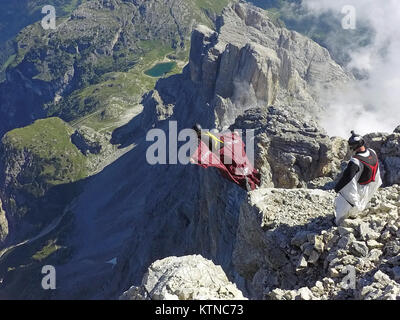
<point>347,176</point>
<point>205,158</point>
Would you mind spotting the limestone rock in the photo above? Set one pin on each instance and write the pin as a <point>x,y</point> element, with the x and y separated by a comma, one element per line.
<point>373,244</point>
<point>291,150</point>
<point>95,146</point>
<point>382,288</point>
<point>387,147</point>
<point>269,223</point>
<point>184,278</point>
<point>251,62</point>
<point>305,293</point>
<point>314,254</point>
<point>359,248</point>
<point>366,233</point>
<point>87,140</point>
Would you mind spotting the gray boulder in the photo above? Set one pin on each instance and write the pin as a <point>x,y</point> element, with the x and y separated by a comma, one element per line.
<point>184,278</point>
<point>387,147</point>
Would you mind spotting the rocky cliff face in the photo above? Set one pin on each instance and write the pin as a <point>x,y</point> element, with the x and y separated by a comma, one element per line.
<point>248,62</point>
<point>252,62</point>
<point>288,248</point>
<point>35,164</point>
<point>292,150</point>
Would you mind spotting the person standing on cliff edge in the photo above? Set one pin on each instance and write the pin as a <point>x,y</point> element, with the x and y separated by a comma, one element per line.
<point>359,181</point>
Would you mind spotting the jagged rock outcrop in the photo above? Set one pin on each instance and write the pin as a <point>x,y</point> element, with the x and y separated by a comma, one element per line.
<point>157,109</point>
<point>87,140</point>
<point>184,278</point>
<point>95,146</point>
<point>388,148</point>
<point>248,62</point>
<point>251,62</point>
<point>288,248</point>
<point>268,222</point>
<point>292,150</point>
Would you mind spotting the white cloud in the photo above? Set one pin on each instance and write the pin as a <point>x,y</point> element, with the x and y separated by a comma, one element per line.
<point>372,104</point>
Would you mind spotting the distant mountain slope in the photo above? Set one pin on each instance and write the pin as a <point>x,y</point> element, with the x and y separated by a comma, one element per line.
<point>324,28</point>
<point>98,37</point>
<point>16,15</point>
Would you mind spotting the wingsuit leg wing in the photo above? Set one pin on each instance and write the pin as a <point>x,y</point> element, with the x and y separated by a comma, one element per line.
<point>239,165</point>
<point>205,158</point>
<point>232,161</point>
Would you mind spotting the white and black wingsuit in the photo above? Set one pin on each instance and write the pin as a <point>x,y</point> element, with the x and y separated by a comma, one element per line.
<point>359,182</point>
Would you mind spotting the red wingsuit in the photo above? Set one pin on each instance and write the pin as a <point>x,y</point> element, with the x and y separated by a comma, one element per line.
<point>231,160</point>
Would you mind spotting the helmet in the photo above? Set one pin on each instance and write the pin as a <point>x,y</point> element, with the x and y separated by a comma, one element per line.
<point>356,141</point>
<point>197,128</point>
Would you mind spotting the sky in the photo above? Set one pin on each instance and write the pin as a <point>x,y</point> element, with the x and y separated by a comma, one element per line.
<point>371,104</point>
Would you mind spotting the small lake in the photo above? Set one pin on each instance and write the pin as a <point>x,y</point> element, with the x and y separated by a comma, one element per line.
<point>160,69</point>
